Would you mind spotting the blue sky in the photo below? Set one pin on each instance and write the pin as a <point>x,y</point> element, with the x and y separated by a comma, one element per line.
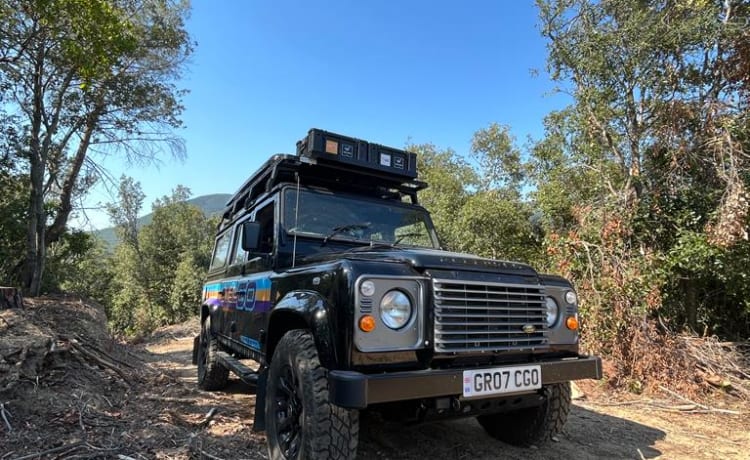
<point>264,72</point>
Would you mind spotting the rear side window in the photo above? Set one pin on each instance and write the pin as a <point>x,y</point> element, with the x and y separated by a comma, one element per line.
<point>221,252</point>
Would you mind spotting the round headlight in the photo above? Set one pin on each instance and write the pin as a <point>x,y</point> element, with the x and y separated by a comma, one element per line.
<point>571,297</point>
<point>552,311</point>
<point>367,288</point>
<point>395,309</point>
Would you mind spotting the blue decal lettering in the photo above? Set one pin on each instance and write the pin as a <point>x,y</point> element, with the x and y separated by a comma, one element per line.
<point>250,298</point>
<point>242,295</point>
<point>252,343</point>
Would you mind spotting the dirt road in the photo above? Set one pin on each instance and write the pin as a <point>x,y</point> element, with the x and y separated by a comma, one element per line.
<point>68,390</point>
<point>597,428</point>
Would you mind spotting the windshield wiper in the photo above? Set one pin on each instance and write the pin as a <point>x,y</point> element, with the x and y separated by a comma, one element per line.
<point>343,229</point>
<point>385,244</point>
<point>404,236</point>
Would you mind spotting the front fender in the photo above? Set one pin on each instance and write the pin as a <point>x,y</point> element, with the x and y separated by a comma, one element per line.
<point>304,309</point>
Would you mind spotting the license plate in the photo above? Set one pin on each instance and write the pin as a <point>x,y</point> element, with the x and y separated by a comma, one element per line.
<point>501,380</point>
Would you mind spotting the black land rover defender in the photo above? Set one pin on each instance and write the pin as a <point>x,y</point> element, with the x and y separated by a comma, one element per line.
<point>329,275</point>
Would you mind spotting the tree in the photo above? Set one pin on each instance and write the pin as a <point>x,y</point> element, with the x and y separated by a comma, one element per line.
<point>81,264</point>
<point>449,177</point>
<point>86,77</point>
<point>643,179</point>
<point>179,236</point>
<point>479,207</point>
<point>500,163</point>
<point>158,276</point>
<point>124,213</point>
<point>497,220</point>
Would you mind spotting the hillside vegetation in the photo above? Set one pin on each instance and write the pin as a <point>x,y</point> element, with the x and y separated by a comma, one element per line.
<point>211,205</point>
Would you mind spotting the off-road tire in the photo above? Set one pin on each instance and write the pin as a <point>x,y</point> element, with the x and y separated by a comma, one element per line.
<point>301,423</point>
<point>533,425</point>
<point>212,375</point>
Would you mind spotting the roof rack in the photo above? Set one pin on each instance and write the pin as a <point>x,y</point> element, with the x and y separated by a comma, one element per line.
<point>336,162</point>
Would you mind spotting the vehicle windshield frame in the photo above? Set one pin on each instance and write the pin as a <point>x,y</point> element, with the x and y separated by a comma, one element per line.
<point>370,219</point>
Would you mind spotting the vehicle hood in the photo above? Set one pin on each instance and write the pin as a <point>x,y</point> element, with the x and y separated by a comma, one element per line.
<point>423,259</point>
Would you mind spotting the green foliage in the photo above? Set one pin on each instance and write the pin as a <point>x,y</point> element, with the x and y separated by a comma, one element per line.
<point>79,263</point>
<point>498,225</point>
<point>129,309</point>
<point>642,181</point>
<point>159,274</point>
<point>125,213</point>
<point>185,297</point>
<point>13,212</point>
<point>179,234</point>
<point>707,285</point>
<point>449,177</point>
<point>499,159</point>
<point>82,74</point>
<point>479,208</point>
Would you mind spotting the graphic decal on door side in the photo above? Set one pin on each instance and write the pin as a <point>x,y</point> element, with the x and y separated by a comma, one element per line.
<point>242,295</point>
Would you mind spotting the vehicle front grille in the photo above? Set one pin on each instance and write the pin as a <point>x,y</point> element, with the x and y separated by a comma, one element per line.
<point>475,316</point>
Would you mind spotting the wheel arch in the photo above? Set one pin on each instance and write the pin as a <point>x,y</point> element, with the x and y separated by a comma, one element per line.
<point>302,310</point>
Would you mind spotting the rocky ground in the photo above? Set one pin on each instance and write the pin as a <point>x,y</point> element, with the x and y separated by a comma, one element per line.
<point>69,391</point>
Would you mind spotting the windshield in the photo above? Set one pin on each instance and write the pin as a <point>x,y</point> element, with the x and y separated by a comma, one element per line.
<point>334,217</point>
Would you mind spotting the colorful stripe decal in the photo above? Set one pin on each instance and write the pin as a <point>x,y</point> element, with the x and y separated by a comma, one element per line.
<point>243,295</point>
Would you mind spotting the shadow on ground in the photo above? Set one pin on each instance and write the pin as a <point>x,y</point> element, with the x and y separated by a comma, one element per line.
<point>587,435</point>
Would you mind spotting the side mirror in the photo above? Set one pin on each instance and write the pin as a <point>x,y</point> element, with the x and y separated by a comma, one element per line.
<point>250,236</point>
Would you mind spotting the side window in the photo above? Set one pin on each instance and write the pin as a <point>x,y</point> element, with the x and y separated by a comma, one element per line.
<point>221,252</point>
<point>239,255</point>
<point>265,217</point>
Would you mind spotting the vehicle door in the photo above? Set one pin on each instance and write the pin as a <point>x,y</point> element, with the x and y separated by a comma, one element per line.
<point>253,286</point>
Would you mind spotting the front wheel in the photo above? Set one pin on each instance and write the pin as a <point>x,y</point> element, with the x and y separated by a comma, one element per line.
<point>301,423</point>
<point>533,425</point>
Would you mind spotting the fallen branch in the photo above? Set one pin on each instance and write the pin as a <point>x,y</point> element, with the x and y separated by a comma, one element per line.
<point>207,419</point>
<point>101,361</point>
<point>154,397</point>
<point>4,412</point>
<point>72,446</point>
<point>204,454</point>
<point>195,445</point>
<point>623,403</point>
<point>100,351</point>
<point>693,408</point>
<point>697,405</point>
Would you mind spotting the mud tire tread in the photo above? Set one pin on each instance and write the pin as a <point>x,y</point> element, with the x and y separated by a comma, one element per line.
<point>535,425</point>
<point>212,375</point>
<point>330,432</point>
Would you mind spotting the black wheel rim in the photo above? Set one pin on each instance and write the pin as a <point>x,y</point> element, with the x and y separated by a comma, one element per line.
<point>288,413</point>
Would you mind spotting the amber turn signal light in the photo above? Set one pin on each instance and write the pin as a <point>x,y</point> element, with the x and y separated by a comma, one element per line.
<point>367,323</point>
<point>572,323</point>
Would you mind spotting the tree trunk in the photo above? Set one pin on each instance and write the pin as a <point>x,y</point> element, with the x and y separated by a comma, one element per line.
<point>690,303</point>
<point>57,228</point>
<point>35,248</point>
<point>10,298</point>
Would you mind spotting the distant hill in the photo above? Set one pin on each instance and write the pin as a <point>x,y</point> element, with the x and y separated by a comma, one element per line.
<point>209,204</point>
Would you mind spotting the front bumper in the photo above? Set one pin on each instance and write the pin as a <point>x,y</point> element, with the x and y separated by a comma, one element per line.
<point>356,390</point>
